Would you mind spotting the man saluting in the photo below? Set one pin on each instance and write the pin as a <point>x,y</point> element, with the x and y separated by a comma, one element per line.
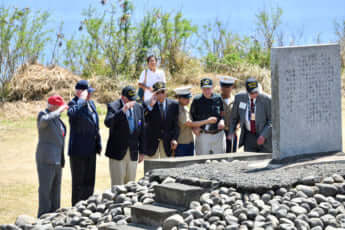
<point>125,120</point>
<point>161,129</point>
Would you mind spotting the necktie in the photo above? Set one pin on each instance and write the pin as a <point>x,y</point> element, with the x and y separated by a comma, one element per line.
<point>161,109</point>
<point>131,121</point>
<point>252,117</point>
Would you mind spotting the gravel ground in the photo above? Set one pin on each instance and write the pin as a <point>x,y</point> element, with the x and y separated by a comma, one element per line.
<point>239,175</point>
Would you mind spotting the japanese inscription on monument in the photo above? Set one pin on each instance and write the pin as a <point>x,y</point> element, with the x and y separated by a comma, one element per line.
<point>306,99</point>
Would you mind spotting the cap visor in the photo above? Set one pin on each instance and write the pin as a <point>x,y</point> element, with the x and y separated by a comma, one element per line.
<point>185,96</point>
<point>64,104</point>
<point>256,90</point>
<point>134,98</point>
<point>226,84</point>
<point>207,86</point>
<point>91,90</point>
<point>162,89</point>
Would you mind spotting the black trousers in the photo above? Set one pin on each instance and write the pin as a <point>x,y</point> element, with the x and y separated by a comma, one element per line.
<point>250,143</point>
<point>228,143</point>
<point>83,170</point>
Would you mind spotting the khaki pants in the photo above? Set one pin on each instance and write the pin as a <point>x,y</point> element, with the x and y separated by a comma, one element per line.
<point>123,171</point>
<point>160,153</point>
<point>210,143</point>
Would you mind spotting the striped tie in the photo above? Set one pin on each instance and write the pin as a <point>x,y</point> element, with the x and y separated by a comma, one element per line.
<point>252,121</point>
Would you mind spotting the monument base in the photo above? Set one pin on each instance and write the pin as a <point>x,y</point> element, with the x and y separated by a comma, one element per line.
<point>304,157</point>
<point>178,162</point>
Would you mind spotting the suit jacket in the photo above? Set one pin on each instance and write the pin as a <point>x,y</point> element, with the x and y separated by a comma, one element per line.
<point>156,128</point>
<point>263,117</point>
<point>51,138</point>
<point>120,138</point>
<point>85,139</point>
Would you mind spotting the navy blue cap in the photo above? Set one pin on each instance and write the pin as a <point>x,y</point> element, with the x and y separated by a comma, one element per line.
<point>252,85</point>
<point>129,92</point>
<point>83,85</point>
<point>206,83</point>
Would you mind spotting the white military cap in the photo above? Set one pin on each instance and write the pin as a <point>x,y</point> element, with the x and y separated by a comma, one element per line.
<point>227,80</point>
<point>184,91</point>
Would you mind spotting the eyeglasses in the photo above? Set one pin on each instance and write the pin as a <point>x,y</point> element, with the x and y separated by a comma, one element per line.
<point>161,92</point>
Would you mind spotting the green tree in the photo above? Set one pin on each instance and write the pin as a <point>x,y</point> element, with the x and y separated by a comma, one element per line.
<point>148,36</point>
<point>267,24</point>
<point>175,34</point>
<point>23,37</point>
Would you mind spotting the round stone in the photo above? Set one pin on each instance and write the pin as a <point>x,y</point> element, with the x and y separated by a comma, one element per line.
<point>298,210</point>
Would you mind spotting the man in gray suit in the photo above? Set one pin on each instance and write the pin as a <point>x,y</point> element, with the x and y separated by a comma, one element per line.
<point>50,154</point>
<point>252,109</point>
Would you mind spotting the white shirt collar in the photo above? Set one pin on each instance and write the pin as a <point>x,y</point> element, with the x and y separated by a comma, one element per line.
<point>250,99</point>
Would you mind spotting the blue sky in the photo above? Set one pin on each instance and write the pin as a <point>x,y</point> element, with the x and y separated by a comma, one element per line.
<point>308,16</point>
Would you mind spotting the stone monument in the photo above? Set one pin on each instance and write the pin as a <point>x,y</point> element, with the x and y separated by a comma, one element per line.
<point>306,100</point>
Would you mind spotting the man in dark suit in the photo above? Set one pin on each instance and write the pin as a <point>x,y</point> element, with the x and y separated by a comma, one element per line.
<point>252,109</point>
<point>125,120</point>
<point>50,154</point>
<point>84,142</point>
<point>161,128</point>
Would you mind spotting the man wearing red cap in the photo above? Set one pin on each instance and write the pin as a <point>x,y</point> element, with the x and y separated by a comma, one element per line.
<point>50,154</point>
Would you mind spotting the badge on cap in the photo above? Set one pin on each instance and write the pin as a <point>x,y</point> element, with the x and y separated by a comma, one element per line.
<point>159,86</point>
<point>131,93</point>
<point>252,85</point>
<point>206,83</point>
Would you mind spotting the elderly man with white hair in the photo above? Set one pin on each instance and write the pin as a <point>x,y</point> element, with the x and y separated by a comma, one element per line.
<point>50,154</point>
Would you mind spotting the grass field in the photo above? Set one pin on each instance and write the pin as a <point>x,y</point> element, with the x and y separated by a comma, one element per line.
<point>18,176</point>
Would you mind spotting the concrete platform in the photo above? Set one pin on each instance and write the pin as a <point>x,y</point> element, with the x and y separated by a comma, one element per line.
<point>177,194</point>
<point>186,161</point>
<point>268,164</point>
<point>257,176</point>
<point>151,215</point>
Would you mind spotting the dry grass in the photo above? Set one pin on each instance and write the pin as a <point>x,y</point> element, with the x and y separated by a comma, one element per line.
<point>36,82</point>
<point>18,110</point>
<point>242,73</point>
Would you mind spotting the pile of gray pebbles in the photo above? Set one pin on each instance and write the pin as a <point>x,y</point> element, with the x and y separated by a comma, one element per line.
<point>311,201</point>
